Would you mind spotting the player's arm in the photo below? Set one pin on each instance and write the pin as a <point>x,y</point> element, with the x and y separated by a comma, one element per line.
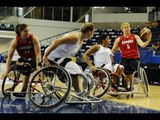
<point>37,50</point>
<point>141,43</point>
<point>116,45</point>
<point>88,53</point>
<point>10,53</point>
<point>66,39</point>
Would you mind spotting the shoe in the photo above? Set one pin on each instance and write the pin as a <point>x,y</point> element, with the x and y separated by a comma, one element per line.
<point>130,89</point>
<point>19,94</point>
<point>122,89</point>
<point>75,98</point>
<point>113,90</point>
<point>80,94</point>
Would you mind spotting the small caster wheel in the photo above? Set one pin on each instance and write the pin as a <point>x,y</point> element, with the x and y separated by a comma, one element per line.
<point>119,96</point>
<point>128,96</point>
<point>132,95</point>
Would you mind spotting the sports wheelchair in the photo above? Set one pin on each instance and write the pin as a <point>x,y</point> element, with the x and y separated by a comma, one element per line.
<point>12,82</point>
<point>139,85</point>
<point>51,86</point>
<point>101,81</point>
<point>104,80</point>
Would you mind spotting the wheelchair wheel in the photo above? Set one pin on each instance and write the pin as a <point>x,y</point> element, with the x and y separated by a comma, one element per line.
<point>49,87</point>
<point>144,81</point>
<point>10,81</point>
<point>102,82</point>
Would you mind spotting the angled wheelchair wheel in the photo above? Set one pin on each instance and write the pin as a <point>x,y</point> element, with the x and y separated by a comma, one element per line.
<point>10,81</point>
<point>144,81</point>
<point>102,82</point>
<point>49,87</point>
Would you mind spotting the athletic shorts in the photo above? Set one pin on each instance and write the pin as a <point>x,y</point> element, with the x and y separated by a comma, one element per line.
<point>130,65</point>
<point>113,68</point>
<point>71,67</point>
<point>31,61</point>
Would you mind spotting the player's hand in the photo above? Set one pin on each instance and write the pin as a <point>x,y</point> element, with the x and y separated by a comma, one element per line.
<point>148,36</point>
<point>93,68</point>
<point>45,62</point>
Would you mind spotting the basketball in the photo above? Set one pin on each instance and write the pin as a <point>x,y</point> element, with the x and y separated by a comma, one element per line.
<point>144,31</point>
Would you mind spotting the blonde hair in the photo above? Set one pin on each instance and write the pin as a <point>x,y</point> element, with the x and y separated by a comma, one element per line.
<point>124,23</point>
<point>87,27</point>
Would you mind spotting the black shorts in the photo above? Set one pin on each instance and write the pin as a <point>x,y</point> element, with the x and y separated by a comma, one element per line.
<point>31,61</point>
<point>130,65</point>
<point>28,67</point>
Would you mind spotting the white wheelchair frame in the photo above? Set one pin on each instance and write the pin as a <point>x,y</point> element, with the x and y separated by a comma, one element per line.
<point>140,81</point>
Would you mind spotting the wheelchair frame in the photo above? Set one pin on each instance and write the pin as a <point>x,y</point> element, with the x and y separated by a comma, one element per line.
<point>14,79</point>
<point>140,82</point>
<point>51,86</point>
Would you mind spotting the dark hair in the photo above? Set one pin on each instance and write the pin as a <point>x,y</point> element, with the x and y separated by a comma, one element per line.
<point>102,37</point>
<point>19,28</point>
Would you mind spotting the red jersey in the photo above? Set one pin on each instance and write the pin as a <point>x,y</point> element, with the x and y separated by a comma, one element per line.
<point>25,48</point>
<point>129,47</point>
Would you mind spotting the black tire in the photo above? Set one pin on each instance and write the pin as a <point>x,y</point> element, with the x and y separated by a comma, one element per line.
<point>12,76</point>
<point>101,87</point>
<point>52,89</point>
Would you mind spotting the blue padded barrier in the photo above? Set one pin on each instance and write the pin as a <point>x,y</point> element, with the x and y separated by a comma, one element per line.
<point>117,57</point>
<point>155,59</point>
<point>145,56</point>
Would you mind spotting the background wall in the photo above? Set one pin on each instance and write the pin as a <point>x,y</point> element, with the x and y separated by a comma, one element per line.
<point>116,17</point>
<point>41,28</point>
<point>47,28</point>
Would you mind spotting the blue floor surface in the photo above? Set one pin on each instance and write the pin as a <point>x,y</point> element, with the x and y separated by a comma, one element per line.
<point>24,105</point>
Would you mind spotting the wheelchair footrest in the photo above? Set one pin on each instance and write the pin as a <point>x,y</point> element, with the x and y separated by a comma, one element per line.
<point>15,92</point>
<point>120,93</point>
<point>75,99</point>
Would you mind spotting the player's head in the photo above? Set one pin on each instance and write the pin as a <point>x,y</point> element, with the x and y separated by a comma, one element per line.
<point>104,39</point>
<point>125,27</point>
<point>88,29</point>
<point>20,28</point>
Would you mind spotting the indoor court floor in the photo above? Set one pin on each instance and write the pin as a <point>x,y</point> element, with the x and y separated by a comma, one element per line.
<point>138,104</point>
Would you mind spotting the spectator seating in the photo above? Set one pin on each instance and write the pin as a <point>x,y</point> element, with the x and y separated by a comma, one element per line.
<point>145,53</point>
<point>7,27</point>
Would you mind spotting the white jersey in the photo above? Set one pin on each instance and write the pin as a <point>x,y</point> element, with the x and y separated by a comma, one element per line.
<point>65,50</point>
<point>102,56</point>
